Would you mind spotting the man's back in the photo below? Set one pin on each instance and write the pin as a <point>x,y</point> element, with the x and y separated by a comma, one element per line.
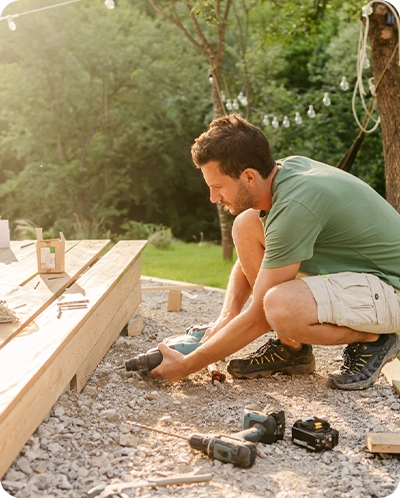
<point>331,222</point>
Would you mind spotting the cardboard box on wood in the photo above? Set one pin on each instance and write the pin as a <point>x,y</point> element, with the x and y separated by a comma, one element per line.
<point>50,253</point>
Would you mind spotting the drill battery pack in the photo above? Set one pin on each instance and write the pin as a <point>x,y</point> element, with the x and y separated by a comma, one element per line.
<point>314,434</point>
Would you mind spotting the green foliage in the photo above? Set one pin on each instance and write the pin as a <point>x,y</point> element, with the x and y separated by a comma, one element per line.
<point>194,263</point>
<point>97,114</point>
<point>161,239</point>
<point>158,235</point>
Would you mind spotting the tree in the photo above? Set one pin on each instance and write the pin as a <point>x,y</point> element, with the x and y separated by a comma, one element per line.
<point>215,13</point>
<point>384,34</point>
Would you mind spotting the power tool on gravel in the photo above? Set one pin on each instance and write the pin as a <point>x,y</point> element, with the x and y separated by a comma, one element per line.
<point>260,427</point>
<point>314,434</point>
<point>227,449</point>
<point>185,344</point>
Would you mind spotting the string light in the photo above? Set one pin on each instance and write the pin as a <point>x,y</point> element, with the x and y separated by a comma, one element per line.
<point>326,100</point>
<point>275,122</point>
<point>109,4</point>
<point>311,112</point>
<point>11,23</point>
<point>298,119</point>
<point>286,122</point>
<point>344,85</point>
<point>266,121</point>
<point>13,26</point>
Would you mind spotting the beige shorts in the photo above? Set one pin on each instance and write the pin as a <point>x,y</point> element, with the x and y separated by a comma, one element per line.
<point>360,301</point>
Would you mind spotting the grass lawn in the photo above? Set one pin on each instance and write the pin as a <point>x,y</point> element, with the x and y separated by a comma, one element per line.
<point>188,262</point>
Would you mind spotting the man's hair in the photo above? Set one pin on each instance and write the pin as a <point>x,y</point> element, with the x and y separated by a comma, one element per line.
<point>236,145</point>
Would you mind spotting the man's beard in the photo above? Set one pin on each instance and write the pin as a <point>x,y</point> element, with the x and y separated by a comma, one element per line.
<point>244,200</point>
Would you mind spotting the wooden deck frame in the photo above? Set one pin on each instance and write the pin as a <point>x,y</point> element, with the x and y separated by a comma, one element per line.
<point>51,353</point>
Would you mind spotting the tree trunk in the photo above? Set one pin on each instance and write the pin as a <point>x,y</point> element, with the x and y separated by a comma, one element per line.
<point>383,39</point>
<point>223,215</point>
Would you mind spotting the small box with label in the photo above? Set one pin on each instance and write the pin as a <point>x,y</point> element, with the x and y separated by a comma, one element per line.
<point>50,253</point>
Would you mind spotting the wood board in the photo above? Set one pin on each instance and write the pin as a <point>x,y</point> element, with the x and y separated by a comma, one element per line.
<point>42,360</point>
<point>383,442</point>
<point>392,373</point>
<point>40,290</point>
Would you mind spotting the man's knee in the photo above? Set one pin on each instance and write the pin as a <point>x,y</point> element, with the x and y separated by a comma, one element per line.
<point>247,226</point>
<point>275,308</point>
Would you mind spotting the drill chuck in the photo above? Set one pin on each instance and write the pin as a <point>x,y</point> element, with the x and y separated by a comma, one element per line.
<point>145,361</point>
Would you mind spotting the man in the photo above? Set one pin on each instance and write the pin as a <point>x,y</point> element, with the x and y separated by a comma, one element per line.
<point>318,249</point>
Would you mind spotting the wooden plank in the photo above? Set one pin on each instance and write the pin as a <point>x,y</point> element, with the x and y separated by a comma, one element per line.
<point>392,373</point>
<point>383,442</point>
<point>36,295</point>
<point>23,266</point>
<point>113,331</point>
<point>173,287</point>
<point>37,365</point>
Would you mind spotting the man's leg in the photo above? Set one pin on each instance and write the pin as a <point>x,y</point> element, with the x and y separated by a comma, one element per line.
<point>248,237</point>
<point>291,308</point>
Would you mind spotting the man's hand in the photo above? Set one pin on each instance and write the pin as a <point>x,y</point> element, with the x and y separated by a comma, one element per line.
<point>215,326</point>
<point>173,366</point>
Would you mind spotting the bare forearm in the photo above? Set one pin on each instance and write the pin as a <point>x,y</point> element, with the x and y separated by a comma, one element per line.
<point>240,332</point>
<point>237,293</point>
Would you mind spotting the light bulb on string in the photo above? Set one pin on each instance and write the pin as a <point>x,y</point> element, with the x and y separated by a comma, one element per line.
<point>266,121</point>
<point>275,122</point>
<point>366,63</point>
<point>311,112</point>
<point>371,86</point>
<point>298,120</point>
<point>223,96</point>
<point>286,122</point>
<point>228,105</point>
<point>242,99</point>
<point>110,4</point>
<point>326,100</point>
<point>235,104</point>
<point>344,84</point>
<point>11,23</point>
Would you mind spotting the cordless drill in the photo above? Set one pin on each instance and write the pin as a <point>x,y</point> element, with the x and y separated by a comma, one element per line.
<point>185,344</point>
<point>227,449</point>
<point>259,427</point>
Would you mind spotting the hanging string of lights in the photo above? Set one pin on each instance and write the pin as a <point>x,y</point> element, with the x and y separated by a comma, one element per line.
<point>10,18</point>
<point>362,64</point>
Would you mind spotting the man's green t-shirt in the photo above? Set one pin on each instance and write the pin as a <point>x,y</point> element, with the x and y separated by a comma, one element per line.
<point>331,222</point>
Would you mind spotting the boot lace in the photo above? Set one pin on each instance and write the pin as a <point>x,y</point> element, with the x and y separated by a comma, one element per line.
<point>268,347</point>
<point>353,359</point>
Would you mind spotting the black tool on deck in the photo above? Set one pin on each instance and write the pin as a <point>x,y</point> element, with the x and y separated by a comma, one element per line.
<point>227,449</point>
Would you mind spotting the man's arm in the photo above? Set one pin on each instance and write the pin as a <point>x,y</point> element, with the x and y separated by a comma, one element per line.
<point>236,296</point>
<point>239,332</point>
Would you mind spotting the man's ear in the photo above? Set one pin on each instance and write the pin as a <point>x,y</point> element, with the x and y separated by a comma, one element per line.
<point>249,175</point>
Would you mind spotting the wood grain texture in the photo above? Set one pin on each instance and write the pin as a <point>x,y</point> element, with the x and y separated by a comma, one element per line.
<point>40,362</point>
<point>392,373</point>
<point>383,442</point>
<point>41,290</point>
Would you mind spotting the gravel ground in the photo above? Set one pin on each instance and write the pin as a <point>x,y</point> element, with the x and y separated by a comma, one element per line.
<point>85,441</point>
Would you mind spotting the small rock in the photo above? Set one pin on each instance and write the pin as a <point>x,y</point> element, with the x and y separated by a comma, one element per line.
<point>14,475</point>
<point>96,436</point>
<point>128,440</point>
<point>59,411</point>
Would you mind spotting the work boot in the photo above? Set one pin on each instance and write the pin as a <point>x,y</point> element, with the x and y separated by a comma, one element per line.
<point>273,357</point>
<point>363,362</point>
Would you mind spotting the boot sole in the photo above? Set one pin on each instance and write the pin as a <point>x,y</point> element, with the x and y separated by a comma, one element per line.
<point>364,384</point>
<point>294,370</point>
